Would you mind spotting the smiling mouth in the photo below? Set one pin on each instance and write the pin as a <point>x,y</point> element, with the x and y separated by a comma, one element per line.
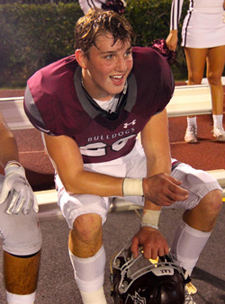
<point>116,77</point>
<point>117,80</point>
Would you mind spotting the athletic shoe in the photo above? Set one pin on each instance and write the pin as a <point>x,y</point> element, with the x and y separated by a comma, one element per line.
<point>188,297</point>
<point>219,133</point>
<point>190,135</point>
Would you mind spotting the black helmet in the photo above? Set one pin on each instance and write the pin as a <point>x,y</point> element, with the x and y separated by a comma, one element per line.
<point>142,281</point>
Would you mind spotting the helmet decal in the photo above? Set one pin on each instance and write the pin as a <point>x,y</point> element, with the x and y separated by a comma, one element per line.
<point>136,298</point>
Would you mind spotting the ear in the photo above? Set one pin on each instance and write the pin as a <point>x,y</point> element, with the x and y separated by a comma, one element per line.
<point>81,58</point>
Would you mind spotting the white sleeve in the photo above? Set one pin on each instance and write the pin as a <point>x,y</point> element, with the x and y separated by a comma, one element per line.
<point>176,10</point>
<point>87,4</point>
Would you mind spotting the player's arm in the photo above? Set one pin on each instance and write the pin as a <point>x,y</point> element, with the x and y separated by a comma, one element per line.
<point>16,192</point>
<point>156,146</point>
<point>9,150</point>
<point>68,162</point>
<point>67,159</point>
<point>155,142</point>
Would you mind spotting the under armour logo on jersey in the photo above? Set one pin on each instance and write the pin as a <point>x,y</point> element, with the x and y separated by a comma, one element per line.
<point>130,123</point>
<point>136,298</point>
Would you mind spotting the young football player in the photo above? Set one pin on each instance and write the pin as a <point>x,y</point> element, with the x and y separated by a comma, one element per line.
<point>19,225</point>
<point>90,107</point>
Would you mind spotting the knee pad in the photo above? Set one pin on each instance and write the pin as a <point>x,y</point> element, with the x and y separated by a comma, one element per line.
<point>21,233</point>
<point>198,182</point>
<point>73,206</point>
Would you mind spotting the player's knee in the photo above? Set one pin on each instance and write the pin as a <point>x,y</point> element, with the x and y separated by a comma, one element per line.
<point>22,235</point>
<point>217,200</point>
<point>88,227</point>
<point>213,202</point>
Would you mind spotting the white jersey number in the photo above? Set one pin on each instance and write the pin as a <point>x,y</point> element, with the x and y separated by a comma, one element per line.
<point>100,148</point>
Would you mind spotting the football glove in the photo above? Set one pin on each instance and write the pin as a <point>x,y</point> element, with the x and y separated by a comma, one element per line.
<point>16,191</point>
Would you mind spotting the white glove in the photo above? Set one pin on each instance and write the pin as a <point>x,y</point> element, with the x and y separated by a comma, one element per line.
<point>16,191</point>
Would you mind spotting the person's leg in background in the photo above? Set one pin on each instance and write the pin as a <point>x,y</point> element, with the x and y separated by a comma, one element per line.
<point>196,60</point>
<point>215,67</point>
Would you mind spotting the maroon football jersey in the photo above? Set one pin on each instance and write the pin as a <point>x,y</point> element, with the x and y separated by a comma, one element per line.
<point>56,103</point>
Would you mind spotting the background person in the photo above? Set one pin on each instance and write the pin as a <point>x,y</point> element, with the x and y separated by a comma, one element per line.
<point>90,107</point>
<point>203,39</point>
<point>117,6</point>
<point>19,225</point>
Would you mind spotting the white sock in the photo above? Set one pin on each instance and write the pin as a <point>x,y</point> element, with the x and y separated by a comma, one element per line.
<point>192,122</point>
<point>218,121</point>
<point>89,272</point>
<point>94,297</point>
<point>188,244</point>
<point>20,299</point>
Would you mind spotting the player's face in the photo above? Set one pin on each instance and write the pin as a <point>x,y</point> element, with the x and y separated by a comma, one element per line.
<point>107,67</point>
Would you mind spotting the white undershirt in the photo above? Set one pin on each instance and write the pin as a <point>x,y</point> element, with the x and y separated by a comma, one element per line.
<point>110,105</point>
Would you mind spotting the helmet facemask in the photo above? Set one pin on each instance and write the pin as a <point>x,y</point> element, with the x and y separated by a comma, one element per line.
<point>142,281</point>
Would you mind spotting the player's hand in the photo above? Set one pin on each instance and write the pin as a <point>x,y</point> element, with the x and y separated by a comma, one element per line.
<point>153,242</point>
<point>16,192</point>
<point>171,40</point>
<point>163,189</point>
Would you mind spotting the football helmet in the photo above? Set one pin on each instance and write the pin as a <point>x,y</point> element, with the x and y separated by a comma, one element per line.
<point>142,281</point>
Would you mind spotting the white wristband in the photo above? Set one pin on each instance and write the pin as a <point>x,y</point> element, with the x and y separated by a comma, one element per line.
<point>151,218</point>
<point>132,187</point>
<point>11,163</point>
<point>13,167</point>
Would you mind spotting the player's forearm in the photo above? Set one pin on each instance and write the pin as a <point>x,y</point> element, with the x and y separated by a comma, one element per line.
<point>93,183</point>
<point>8,151</point>
<point>151,211</point>
<point>159,165</point>
<point>150,206</point>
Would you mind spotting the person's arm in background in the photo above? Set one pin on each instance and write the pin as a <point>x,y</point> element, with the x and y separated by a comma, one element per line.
<point>85,5</point>
<point>176,10</point>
